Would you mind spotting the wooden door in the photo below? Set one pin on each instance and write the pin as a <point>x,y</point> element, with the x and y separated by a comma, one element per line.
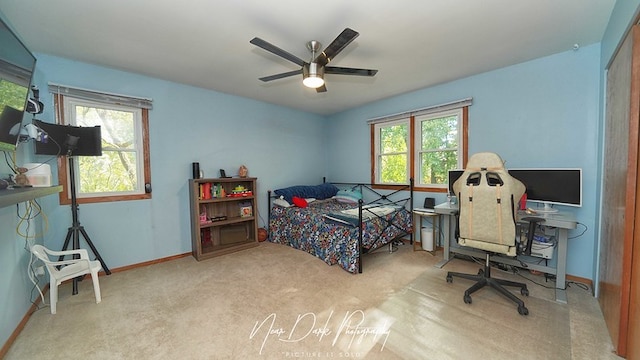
<point>620,231</point>
<point>632,349</point>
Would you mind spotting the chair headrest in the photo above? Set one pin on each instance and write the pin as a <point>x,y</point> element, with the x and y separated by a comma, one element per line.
<point>488,160</point>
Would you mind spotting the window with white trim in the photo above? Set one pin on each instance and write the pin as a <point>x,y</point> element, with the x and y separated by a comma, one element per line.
<point>392,154</point>
<point>438,145</point>
<point>422,145</point>
<point>123,170</point>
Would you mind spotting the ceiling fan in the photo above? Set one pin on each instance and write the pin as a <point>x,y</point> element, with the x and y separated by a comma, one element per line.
<point>313,71</point>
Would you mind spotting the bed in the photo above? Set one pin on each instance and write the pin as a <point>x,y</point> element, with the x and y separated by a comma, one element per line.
<point>339,222</point>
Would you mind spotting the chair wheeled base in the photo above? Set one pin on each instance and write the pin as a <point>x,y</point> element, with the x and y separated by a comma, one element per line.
<point>484,278</point>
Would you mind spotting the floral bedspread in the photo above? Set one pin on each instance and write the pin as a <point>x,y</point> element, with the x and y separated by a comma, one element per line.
<point>307,229</point>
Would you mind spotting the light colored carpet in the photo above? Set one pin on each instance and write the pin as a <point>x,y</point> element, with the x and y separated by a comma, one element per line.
<point>274,302</point>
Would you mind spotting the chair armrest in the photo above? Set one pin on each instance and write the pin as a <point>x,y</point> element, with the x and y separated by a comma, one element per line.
<point>82,252</point>
<point>69,262</point>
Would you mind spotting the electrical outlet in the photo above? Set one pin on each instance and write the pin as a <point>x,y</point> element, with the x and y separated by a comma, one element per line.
<point>39,271</point>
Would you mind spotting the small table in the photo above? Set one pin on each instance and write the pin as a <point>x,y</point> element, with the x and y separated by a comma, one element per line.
<point>417,228</point>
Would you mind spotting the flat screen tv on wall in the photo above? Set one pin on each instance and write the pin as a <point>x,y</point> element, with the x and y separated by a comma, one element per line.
<point>16,70</point>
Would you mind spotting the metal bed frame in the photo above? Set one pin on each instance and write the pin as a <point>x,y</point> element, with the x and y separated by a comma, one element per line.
<point>378,199</point>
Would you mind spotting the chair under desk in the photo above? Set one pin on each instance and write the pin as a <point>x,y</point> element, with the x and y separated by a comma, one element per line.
<point>562,222</point>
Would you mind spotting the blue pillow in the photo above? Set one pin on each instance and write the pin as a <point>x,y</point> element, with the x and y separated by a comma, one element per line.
<point>320,192</point>
<point>348,196</point>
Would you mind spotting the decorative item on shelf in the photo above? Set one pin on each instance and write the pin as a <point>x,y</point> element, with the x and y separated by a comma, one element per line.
<point>21,179</point>
<point>262,234</point>
<point>246,210</point>
<point>243,171</point>
<point>240,191</point>
<point>38,174</point>
<point>219,217</point>
<point>203,215</point>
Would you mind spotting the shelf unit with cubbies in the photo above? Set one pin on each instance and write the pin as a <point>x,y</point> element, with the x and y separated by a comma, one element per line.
<point>223,216</point>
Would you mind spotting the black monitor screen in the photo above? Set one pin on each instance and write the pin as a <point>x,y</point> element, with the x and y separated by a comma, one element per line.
<point>89,140</point>
<point>551,186</point>
<point>453,176</point>
<point>10,121</point>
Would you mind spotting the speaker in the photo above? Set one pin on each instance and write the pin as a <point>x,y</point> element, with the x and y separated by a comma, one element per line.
<point>429,203</point>
<point>195,167</point>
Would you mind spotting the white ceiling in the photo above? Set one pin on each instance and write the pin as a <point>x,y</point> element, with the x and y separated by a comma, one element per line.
<point>205,43</point>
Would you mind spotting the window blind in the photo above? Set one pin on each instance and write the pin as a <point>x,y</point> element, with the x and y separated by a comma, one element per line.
<point>423,111</point>
<point>109,98</point>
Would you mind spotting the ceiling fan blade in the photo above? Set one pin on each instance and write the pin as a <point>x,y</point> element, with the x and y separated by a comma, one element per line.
<point>349,71</point>
<point>344,39</point>
<point>322,88</point>
<point>281,75</point>
<point>276,50</point>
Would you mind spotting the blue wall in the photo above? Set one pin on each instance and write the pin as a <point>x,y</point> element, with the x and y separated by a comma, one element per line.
<point>542,113</point>
<point>187,124</point>
<point>554,104</point>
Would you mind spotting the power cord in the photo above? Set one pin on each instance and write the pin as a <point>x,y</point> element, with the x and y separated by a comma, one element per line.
<point>510,269</point>
<point>582,233</point>
<point>10,162</point>
<point>517,272</point>
<point>24,229</point>
<point>32,210</point>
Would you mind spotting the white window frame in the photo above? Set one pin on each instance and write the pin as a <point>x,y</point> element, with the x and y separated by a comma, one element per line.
<point>418,144</point>
<point>460,107</point>
<point>61,94</point>
<point>70,104</point>
<point>378,155</point>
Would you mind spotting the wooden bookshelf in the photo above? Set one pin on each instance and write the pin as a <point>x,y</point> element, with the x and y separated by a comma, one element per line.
<point>223,216</point>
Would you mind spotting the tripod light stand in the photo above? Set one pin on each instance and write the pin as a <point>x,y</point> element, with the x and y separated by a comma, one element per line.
<point>75,230</point>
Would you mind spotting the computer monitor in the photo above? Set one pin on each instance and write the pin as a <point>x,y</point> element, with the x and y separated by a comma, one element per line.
<point>559,186</point>
<point>452,177</point>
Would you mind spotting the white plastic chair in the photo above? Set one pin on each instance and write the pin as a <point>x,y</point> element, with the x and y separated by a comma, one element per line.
<point>60,271</point>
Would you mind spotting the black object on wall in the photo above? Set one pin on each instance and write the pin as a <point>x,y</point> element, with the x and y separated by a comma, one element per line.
<point>89,142</point>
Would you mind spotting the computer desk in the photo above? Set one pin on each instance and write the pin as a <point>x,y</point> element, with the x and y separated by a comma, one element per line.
<point>562,222</point>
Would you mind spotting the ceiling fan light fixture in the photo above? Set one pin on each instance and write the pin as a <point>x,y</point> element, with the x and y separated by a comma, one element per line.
<point>312,75</point>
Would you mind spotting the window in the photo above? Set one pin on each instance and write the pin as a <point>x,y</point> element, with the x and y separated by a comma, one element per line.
<point>123,170</point>
<point>437,147</point>
<point>423,145</point>
<point>392,152</point>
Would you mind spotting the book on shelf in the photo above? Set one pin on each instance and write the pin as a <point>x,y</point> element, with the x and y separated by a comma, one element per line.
<point>205,191</point>
<point>205,236</point>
